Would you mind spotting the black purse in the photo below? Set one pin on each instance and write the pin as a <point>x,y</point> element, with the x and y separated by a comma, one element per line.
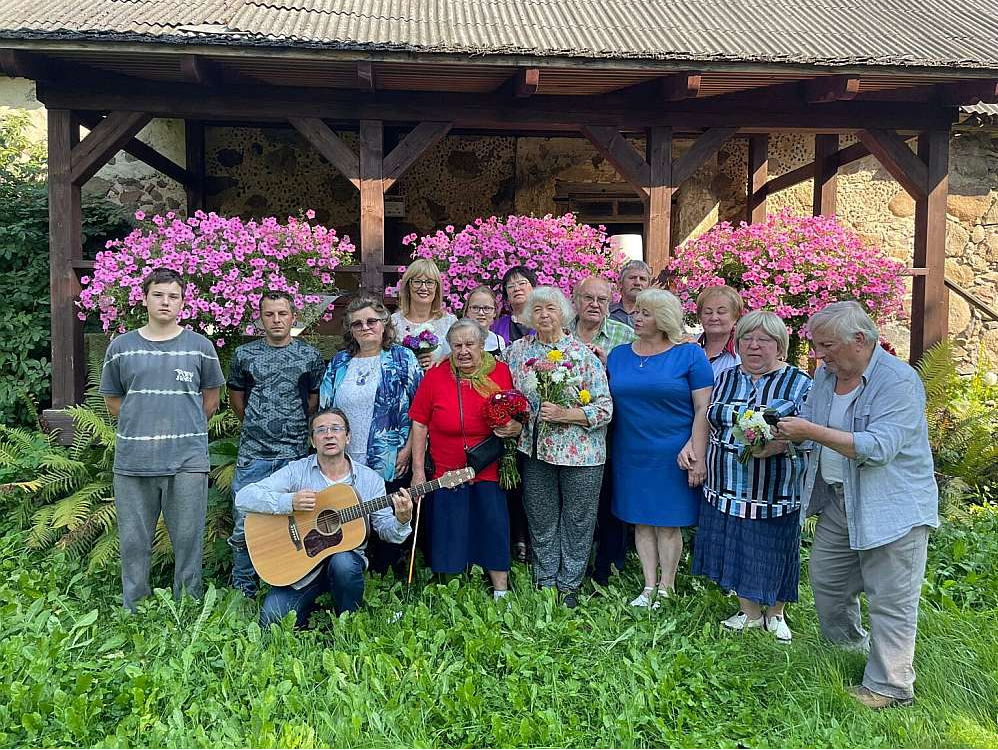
<point>485,453</point>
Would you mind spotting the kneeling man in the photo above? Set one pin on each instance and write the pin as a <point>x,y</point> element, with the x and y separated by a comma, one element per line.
<point>294,488</point>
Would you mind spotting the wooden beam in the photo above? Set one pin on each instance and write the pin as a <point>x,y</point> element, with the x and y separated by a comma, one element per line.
<point>613,147</point>
<point>680,86</point>
<point>848,155</point>
<point>420,140</point>
<point>372,205</point>
<point>526,81</point>
<point>929,295</point>
<point>895,156</point>
<point>702,149</point>
<point>194,150</point>
<point>143,152</point>
<point>365,76</point>
<point>327,143</point>
<point>661,186</point>
<point>103,142</point>
<point>825,175</point>
<point>831,89</point>
<point>199,71</point>
<point>19,64</point>
<point>758,174</point>
<point>968,92</point>
<point>65,246</point>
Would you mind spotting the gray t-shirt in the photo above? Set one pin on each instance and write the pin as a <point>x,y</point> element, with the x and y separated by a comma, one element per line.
<point>162,429</point>
<point>276,382</point>
<point>355,397</point>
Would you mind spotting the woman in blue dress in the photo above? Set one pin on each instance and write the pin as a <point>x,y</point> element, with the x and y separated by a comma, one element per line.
<point>661,390</point>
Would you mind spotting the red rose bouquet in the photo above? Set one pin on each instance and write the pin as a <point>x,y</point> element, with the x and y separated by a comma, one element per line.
<point>499,410</point>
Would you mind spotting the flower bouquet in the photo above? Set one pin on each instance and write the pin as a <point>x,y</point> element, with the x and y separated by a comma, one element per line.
<point>499,410</point>
<point>422,342</point>
<point>753,429</point>
<point>553,377</point>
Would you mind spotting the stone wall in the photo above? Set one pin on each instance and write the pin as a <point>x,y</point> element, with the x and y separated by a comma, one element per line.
<point>272,171</point>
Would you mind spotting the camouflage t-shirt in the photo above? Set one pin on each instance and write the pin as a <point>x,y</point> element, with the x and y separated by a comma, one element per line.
<point>276,381</point>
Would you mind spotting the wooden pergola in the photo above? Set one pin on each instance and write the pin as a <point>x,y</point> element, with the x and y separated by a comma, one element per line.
<point>114,90</point>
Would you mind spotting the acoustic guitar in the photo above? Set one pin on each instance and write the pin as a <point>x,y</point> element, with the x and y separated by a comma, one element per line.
<point>284,549</point>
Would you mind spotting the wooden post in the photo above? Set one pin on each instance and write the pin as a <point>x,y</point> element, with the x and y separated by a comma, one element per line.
<point>658,226</point>
<point>194,146</point>
<point>758,174</point>
<point>372,205</point>
<point>65,246</point>
<point>929,296</point>
<point>825,174</point>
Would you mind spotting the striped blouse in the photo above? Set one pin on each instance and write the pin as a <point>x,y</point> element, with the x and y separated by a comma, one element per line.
<point>762,488</point>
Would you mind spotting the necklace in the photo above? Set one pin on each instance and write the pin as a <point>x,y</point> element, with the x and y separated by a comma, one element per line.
<point>643,358</point>
<point>363,374</point>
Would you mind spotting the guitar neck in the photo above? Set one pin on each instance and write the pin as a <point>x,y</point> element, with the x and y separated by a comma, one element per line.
<point>370,506</point>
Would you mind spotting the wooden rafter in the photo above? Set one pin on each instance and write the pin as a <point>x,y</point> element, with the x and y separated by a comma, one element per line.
<point>365,76</point>
<point>421,139</point>
<point>142,151</point>
<point>968,92</point>
<point>831,89</point>
<point>613,147</point>
<point>103,142</point>
<point>526,81</point>
<point>680,86</point>
<point>895,156</point>
<point>704,147</point>
<point>327,143</point>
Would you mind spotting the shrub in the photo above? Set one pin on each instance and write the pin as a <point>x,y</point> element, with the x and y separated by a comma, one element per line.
<point>559,250</point>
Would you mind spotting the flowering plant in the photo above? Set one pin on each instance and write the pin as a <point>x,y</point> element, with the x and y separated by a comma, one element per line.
<point>752,431</point>
<point>553,378</point>
<point>422,342</point>
<point>558,249</point>
<point>229,265</point>
<point>499,410</point>
<point>793,265</point>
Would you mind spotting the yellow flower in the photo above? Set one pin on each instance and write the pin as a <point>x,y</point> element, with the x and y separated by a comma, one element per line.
<point>585,397</point>
<point>747,414</point>
<point>555,356</point>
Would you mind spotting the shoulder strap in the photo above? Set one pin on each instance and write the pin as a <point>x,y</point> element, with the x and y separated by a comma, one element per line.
<point>460,410</point>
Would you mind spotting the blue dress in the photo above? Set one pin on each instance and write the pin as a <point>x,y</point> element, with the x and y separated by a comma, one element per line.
<point>652,420</point>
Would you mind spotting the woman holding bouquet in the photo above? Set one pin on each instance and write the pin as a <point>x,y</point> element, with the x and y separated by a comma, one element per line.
<point>374,380</point>
<point>421,309</point>
<point>564,443</point>
<point>749,536</point>
<point>469,524</point>
<point>661,389</point>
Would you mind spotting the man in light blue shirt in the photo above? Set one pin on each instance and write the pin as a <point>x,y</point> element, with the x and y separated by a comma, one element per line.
<point>294,488</point>
<point>870,478</point>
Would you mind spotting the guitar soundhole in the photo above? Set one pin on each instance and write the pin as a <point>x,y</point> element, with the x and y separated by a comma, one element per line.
<point>328,522</point>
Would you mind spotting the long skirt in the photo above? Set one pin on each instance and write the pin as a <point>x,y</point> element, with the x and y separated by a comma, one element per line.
<point>469,526</point>
<point>758,559</point>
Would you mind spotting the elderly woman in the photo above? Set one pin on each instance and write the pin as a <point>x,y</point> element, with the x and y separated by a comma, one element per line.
<point>421,306</point>
<point>517,284</point>
<point>564,444</point>
<point>749,535</point>
<point>481,306</point>
<point>718,309</point>
<point>373,380</point>
<point>661,390</point>
<point>870,478</point>
<point>469,523</point>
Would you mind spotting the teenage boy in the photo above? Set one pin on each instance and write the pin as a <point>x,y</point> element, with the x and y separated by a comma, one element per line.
<point>162,381</point>
<point>273,388</point>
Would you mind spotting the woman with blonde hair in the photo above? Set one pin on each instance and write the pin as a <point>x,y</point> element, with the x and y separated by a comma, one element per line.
<point>421,297</point>
<point>718,310</point>
<point>661,388</point>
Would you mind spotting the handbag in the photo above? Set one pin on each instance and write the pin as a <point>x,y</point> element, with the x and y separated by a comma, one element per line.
<point>479,457</point>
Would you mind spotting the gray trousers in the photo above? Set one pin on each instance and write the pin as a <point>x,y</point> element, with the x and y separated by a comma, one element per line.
<point>183,501</point>
<point>561,504</point>
<point>891,576</point>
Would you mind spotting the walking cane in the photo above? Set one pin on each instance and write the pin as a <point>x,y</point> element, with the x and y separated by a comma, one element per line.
<point>415,536</point>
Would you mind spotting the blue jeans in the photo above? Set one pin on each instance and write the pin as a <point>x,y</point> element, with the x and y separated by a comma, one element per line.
<point>342,575</point>
<point>248,471</point>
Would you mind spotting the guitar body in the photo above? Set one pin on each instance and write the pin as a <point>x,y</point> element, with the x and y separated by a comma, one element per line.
<point>284,549</point>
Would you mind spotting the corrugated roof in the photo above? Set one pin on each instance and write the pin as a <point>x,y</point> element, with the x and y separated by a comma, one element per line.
<point>931,33</point>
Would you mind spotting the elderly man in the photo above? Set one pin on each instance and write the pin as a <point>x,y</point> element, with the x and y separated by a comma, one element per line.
<point>635,277</point>
<point>870,479</point>
<point>593,327</point>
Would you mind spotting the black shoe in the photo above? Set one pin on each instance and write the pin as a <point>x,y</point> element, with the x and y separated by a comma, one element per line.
<point>601,578</point>
<point>571,600</point>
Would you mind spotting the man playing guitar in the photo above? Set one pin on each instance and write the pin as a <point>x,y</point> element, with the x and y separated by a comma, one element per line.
<point>294,488</point>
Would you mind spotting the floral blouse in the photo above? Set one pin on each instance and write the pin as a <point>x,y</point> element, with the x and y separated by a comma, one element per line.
<point>554,443</point>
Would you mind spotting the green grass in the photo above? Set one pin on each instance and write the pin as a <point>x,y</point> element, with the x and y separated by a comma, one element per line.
<point>457,670</point>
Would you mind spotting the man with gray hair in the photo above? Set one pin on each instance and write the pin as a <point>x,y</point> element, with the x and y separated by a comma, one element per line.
<point>635,277</point>
<point>870,478</point>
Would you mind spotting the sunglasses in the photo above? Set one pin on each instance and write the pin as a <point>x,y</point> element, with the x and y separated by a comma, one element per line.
<point>368,323</point>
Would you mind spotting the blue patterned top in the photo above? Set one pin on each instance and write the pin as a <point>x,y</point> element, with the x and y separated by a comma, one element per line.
<point>400,376</point>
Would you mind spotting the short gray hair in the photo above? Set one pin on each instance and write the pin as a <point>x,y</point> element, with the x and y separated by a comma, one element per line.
<point>543,295</point>
<point>634,265</point>
<point>468,324</point>
<point>844,320</point>
<point>769,323</point>
<point>668,312</point>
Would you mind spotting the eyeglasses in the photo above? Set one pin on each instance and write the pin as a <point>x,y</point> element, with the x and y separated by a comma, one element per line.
<point>517,284</point>
<point>481,309</point>
<point>426,283</point>
<point>326,429</point>
<point>356,325</point>
<point>590,299</point>
<point>758,341</point>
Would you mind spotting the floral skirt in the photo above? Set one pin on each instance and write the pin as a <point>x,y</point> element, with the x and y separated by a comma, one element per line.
<point>758,559</point>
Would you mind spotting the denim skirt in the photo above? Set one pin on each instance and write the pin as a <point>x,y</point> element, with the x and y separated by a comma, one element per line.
<point>758,559</point>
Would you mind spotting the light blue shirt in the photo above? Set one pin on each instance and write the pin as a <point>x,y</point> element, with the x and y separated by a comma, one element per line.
<point>273,495</point>
<point>890,486</point>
